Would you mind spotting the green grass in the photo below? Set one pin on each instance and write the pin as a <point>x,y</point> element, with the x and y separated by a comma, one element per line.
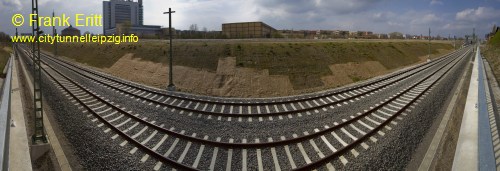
<point>5,51</point>
<point>355,78</point>
<point>492,53</point>
<point>304,62</point>
<point>495,41</point>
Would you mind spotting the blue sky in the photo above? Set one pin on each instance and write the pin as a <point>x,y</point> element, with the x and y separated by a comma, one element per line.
<point>445,17</point>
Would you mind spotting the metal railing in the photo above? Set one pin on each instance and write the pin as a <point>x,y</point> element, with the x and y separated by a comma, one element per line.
<point>5,117</point>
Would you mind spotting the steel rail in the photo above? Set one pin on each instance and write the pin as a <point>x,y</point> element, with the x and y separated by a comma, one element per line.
<point>263,102</point>
<point>357,142</point>
<point>283,112</point>
<point>246,145</point>
<point>111,126</point>
<point>276,143</point>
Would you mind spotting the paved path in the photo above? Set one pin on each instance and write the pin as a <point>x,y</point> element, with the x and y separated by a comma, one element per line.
<point>19,149</point>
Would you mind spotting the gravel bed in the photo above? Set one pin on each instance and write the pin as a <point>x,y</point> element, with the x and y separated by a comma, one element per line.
<point>249,130</point>
<point>395,149</point>
<point>85,139</point>
<point>98,151</point>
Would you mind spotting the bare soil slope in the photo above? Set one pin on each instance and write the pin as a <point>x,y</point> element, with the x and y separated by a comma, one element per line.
<point>253,69</point>
<point>232,81</point>
<point>228,80</point>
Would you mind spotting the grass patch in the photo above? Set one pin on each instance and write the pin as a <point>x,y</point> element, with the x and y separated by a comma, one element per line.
<point>495,41</point>
<point>492,53</point>
<point>355,78</point>
<point>303,62</point>
<point>5,50</point>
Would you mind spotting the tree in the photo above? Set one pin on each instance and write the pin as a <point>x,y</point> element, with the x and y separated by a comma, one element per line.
<point>193,27</point>
<point>276,34</point>
<point>124,28</point>
<point>205,30</point>
<point>396,35</point>
<point>4,37</point>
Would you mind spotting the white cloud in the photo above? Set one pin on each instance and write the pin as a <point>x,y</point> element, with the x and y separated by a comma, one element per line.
<point>11,4</point>
<point>479,14</point>
<point>318,7</point>
<point>391,23</point>
<point>383,16</point>
<point>436,2</point>
<point>41,3</point>
<point>427,19</point>
<point>379,16</point>
<point>205,13</point>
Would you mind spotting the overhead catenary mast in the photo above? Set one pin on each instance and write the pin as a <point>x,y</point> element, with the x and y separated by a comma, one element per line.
<point>54,33</point>
<point>171,86</point>
<point>38,136</point>
<point>429,55</point>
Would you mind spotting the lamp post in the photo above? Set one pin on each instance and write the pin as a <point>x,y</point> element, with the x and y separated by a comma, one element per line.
<point>171,86</point>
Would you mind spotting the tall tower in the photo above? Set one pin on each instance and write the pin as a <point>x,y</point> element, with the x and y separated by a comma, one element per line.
<point>141,13</point>
<point>117,12</point>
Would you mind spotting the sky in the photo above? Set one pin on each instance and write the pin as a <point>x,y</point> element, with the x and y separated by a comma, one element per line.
<point>444,17</point>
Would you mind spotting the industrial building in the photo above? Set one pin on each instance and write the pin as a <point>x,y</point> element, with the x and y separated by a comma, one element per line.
<point>247,30</point>
<point>126,17</point>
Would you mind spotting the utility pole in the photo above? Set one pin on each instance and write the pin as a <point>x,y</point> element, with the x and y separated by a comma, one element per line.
<point>14,45</point>
<point>39,136</point>
<point>54,32</point>
<point>429,56</point>
<point>454,42</point>
<point>171,86</point>
<point>473,35</point>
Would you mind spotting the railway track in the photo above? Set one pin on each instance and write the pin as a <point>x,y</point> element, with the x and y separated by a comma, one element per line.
<point>226,107</point>
<point>325,147</point>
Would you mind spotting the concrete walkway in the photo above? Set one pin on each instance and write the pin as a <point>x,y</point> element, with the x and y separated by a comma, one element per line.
<point>52,137</point>
<point>492,109</point>
<point>474,146</point>
<point>19,154</point>
<point>466,155</point>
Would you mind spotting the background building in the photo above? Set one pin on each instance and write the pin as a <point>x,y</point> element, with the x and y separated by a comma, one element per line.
<point>292,34</point>
<point>126,17</point>
<point>145,31</point>
<point>248,30</point>
<point>119,12</point>
<point>70,31</point>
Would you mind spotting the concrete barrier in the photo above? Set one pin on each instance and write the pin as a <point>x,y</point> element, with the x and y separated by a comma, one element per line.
<point>5,118</point>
